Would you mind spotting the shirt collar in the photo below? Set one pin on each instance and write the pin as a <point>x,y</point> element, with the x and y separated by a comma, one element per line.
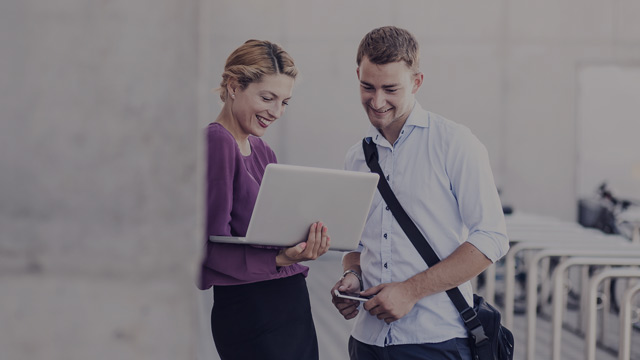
<point>417,118</point>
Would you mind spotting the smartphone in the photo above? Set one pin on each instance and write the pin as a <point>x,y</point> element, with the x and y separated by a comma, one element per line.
<point>351,296</point>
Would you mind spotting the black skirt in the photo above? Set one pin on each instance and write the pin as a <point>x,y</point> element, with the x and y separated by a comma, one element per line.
<point>268,320</point>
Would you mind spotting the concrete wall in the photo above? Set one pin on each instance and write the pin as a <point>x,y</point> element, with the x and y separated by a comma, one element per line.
<point>102,104</point>
<point>506,69</point>
<point>98,188</point>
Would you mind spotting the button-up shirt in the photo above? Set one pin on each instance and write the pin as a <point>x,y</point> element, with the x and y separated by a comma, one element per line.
<point>440,173</point>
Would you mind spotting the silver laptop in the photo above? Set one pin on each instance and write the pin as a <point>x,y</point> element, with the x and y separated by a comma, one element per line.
<point>291,198</point>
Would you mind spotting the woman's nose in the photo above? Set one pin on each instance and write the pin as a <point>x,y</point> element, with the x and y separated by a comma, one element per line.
<point>277,110</point>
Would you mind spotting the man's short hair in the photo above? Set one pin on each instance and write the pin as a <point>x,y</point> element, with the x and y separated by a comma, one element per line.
<point>390,44</point>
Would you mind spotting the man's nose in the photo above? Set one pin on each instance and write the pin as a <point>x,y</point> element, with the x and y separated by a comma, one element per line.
<point>378,100</point>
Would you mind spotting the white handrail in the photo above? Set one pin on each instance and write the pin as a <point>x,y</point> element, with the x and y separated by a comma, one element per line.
<point>624,348</point>
<point>532,280</point>
<point>490,283</point>
<point>537,228</point>
<point>510,271</point>
<point>510,264</point>
<point>558,303</point>
<point>590,338</point>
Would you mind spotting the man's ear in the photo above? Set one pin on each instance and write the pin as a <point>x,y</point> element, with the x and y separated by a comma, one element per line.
<point>418,79</point>
<point>358,72</point>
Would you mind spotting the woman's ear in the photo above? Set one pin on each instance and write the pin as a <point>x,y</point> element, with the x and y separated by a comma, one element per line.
<point>232,86</point>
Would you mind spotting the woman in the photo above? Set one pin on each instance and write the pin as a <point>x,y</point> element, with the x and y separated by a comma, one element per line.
<point>261,304</point>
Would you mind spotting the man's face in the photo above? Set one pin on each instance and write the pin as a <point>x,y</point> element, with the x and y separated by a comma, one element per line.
<point>387,93</point>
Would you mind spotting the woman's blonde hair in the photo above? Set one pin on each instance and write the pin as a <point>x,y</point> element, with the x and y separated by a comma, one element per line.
<point>254,59</point>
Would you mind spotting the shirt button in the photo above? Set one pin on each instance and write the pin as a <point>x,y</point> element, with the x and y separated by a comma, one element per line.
<point>385,265</point>
<point>387,208</point>
<point>387,177</point>
<point>385,235</point>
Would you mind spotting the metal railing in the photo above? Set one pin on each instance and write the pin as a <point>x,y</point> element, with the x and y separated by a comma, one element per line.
<point>539,245</point>
<point>590,336</point>
<point>558,302</point>
<point>560,250</point>
<point>624,347</point>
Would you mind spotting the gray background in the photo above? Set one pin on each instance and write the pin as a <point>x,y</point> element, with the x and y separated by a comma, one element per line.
<point>102,105</point>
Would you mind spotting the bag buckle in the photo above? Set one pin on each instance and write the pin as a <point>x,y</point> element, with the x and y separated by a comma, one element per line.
<point>468,315</point>
<point>478,335</point>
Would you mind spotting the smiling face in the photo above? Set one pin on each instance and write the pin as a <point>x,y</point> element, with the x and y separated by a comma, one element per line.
<point>388,93</point>
<point>260,103</point>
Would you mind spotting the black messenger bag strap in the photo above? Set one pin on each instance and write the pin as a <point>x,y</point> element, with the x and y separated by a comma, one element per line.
<point>467,313</point>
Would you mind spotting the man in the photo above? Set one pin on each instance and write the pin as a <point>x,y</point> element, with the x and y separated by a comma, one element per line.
<point>441,175</point>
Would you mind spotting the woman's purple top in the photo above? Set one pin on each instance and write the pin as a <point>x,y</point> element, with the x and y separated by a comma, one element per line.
<point>233,181</point>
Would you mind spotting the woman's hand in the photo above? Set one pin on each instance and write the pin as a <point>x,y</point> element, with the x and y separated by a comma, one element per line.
<point>317,244</point>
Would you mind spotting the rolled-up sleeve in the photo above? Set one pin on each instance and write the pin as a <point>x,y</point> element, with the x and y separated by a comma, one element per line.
<point>474,188</point>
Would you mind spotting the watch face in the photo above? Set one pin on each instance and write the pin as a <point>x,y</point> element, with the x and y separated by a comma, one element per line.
<point>356,275</point>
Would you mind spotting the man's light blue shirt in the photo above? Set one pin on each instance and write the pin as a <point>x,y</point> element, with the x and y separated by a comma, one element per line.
<point>440,173</point>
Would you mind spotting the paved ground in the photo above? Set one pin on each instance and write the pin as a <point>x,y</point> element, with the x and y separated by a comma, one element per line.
<point>333,330</point>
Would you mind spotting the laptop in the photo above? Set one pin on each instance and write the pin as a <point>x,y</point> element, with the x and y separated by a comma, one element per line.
<point>291,198</point>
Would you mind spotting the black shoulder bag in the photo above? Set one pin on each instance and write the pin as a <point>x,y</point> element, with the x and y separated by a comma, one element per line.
<point>488,339</point>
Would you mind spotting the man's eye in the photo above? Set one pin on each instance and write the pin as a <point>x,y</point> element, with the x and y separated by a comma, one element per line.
<point>266,98</point>
<point>392,90</point>
<point>285,103</point>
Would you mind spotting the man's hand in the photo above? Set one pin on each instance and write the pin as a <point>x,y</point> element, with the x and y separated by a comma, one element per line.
<point>347,307</point>
<point>392,301</point>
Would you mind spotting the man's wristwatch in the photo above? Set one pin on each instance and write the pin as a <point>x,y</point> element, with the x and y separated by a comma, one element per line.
<point>355,273</point>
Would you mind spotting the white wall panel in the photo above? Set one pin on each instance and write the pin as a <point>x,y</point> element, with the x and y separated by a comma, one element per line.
<point>540,138</point>
<point>608,127</point>
<point>442,20</point>
<point>464,83</point>
<point>553,21</point>
<point>627,26</point>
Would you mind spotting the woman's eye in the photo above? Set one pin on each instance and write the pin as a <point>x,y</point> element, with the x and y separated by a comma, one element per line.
<point>266,98</point>
<point>285,103</point>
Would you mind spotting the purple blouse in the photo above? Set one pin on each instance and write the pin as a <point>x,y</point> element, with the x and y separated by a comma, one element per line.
<point>233,181</point>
